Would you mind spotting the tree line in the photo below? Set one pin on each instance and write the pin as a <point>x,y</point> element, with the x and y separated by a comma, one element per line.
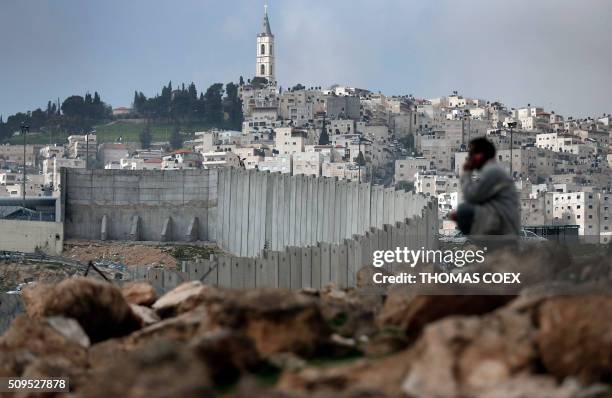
<point>219,106</point>
<point>184,104</point>
<point>75,114</point>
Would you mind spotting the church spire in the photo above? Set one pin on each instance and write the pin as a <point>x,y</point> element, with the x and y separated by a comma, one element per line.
<point>266,22</point>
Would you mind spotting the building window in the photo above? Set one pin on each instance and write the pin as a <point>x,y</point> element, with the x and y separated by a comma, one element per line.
<point>263,49</point>
<point>263,69</point>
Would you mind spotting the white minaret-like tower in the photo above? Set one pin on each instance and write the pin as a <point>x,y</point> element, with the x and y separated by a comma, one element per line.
<point>265,51</point>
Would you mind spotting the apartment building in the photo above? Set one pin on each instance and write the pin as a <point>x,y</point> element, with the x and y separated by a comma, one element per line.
<point>405,169</point>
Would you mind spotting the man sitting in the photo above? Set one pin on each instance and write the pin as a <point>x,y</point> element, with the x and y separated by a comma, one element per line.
<point>491,202</point>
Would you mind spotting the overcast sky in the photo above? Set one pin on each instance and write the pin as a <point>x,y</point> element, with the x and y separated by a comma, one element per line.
<point>552,53</point>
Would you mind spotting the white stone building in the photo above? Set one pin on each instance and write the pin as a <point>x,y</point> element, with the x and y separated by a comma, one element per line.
<point>289,140</point>
<point>435,184</point>
<point>343,171</point>
<point>214,160</point>
<point>405,169</point>
<point>276,164</point>
<point>307,163</point>
<point>51,170</point>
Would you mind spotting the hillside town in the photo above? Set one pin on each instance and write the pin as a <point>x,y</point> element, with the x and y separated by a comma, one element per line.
<point>263,239</point>
<point>561,165</point>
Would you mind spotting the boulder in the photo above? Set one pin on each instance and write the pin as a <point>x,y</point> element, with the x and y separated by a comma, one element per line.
<point>541,386</point>
<point>462,356</point>
<point>410,313</point>
<point>350,313</point>
<point>575,337</point>
<point>276,320</point>
<point>180,328</point>
<point>228,354</point>
<point>360,378</point>
<point>98,306</point>
<point>146,315</point>
<point>158,370</point>
<point>70,329</point>
<point>30,339</point>
<point>180,299</point>
<point>139,293</point>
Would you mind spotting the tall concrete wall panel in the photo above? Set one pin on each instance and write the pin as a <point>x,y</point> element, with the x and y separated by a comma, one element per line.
<point>152,196</point>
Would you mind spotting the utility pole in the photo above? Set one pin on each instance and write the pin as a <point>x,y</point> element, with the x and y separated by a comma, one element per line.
<point>86,151</point>
<point>24,130</point>
<point>511,125</point>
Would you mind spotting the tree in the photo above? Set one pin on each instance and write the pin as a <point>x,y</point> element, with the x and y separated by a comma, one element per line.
<point>176,140</point>
<point>73,106</point>
<point>145,137</point>
<point>214,103</point>
<point>233,106</point>
<point>193,93</point>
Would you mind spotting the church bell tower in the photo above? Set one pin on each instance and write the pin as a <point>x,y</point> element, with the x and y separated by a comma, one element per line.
<point>265,51</point>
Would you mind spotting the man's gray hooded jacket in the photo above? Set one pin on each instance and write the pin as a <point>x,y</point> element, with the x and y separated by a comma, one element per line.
<point>494,199</point>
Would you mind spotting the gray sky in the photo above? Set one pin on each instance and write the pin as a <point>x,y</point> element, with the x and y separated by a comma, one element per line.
<point>552,53</point>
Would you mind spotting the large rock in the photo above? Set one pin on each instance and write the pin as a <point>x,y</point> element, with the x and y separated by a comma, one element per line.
<point>361,378</point>
<point>146,315</point>
<point>276,320</point>
<point>410,313</point>
<point>159,370</point>
<point>139,293</point>
<point>350,313</point>
<point>28,340</point>
<point>526,386</point>
<point>462,356</point>
<point>228,354</point>
<point>182,329</point>
<point>182,298</point>
<point>575,337</point>
<point>98,306</point>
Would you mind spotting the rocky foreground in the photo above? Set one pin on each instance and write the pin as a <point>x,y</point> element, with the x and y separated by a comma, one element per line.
<point>200,341</point>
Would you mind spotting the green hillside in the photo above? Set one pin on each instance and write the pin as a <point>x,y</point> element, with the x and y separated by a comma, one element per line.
<point>128,130</point>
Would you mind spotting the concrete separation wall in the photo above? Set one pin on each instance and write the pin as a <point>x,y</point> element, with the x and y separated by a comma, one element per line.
<point>32,236</point>
<point>245,212</point>
<point>147,205</point>
<point>262,210</point>
<point>298,267</point>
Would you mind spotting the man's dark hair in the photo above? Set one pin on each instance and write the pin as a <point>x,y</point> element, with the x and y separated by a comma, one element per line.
<point>484,146</point>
